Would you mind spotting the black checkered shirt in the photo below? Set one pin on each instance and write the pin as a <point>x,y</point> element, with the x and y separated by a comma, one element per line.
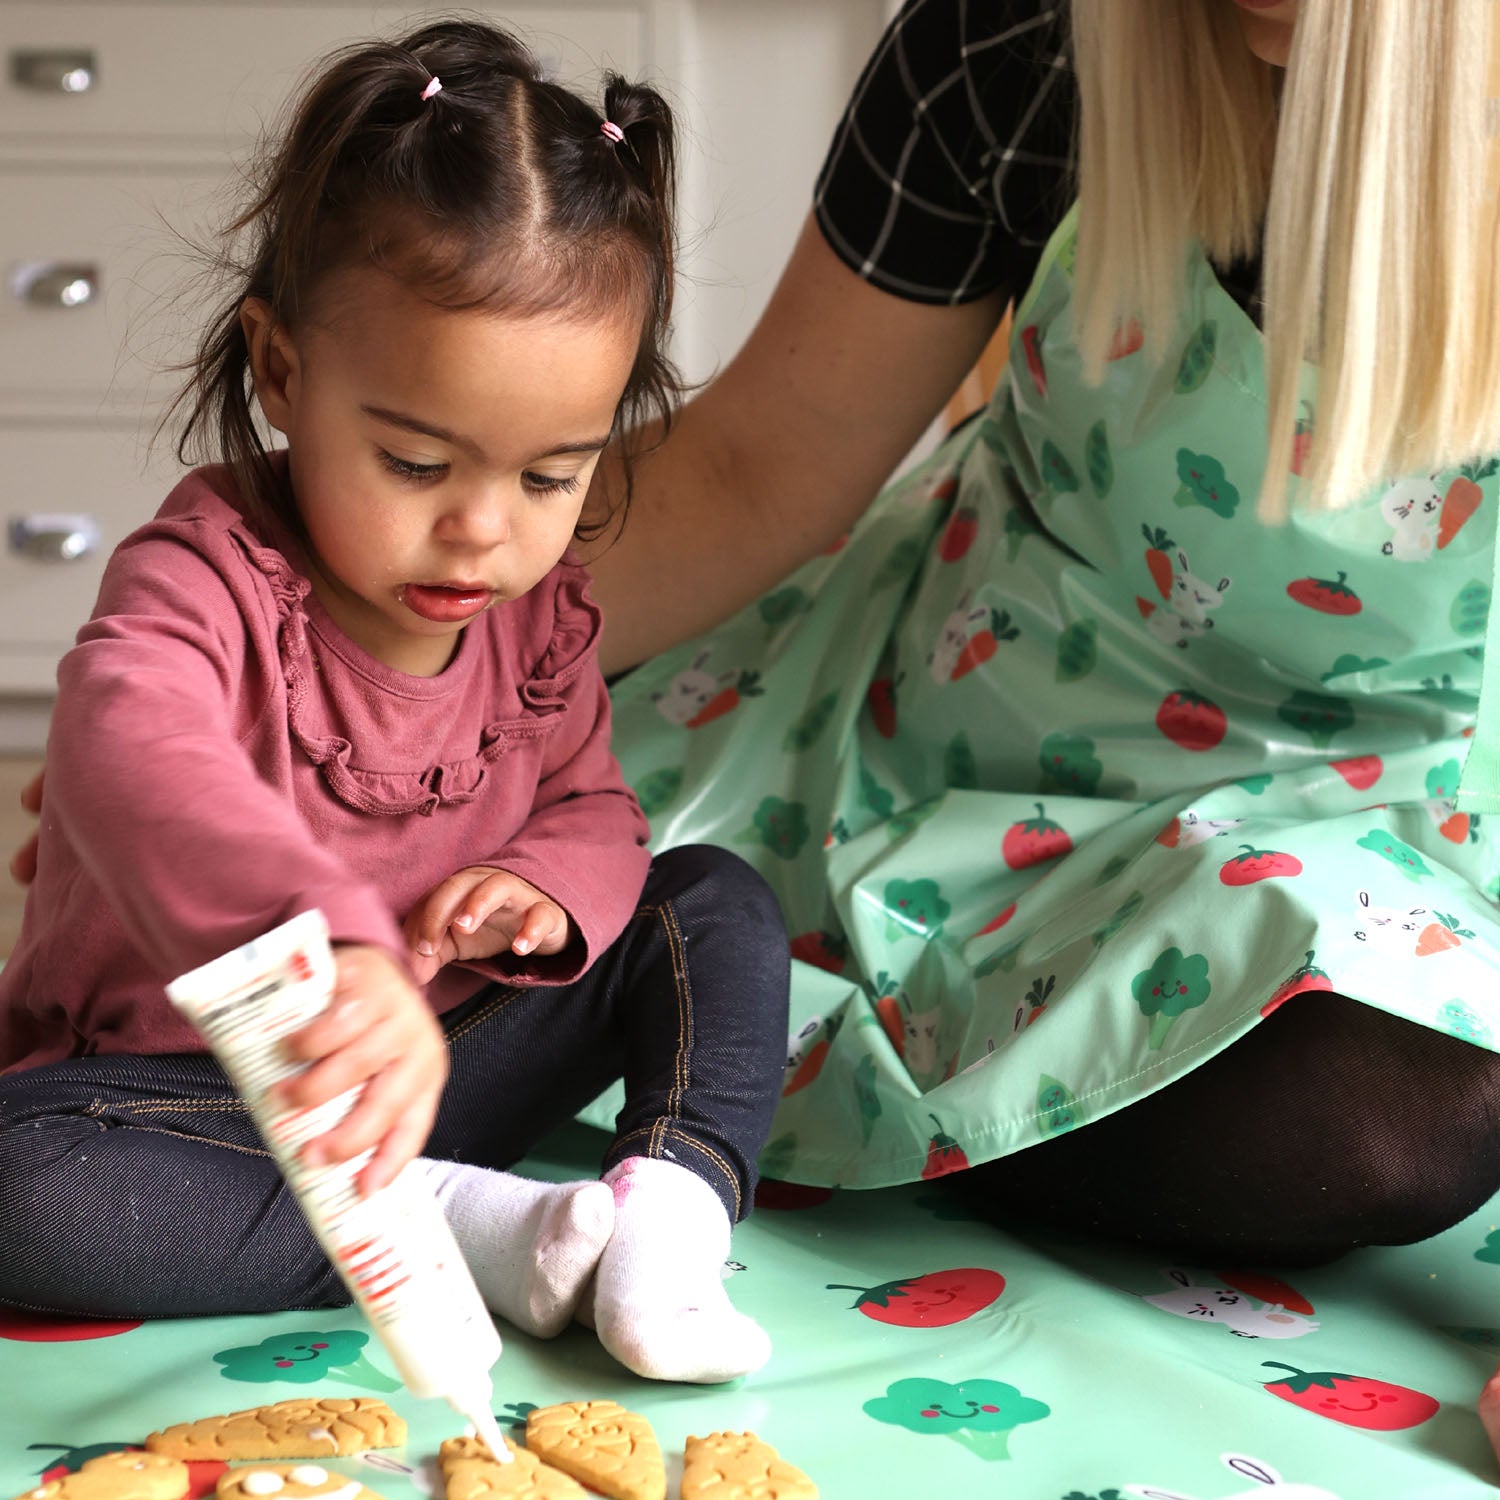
<point>953,162</point>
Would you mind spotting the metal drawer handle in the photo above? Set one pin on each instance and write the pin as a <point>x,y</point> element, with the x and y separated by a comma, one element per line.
<point>53,538</point>
<point>54,72</point>
<point>55,283</point>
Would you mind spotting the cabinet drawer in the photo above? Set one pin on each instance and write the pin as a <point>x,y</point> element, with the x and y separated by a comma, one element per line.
<point>121,233</point>
<point>217,71</point>
<point>65,472</point>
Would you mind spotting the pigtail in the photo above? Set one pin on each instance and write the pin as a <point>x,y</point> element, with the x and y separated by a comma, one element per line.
<point>646,159</point>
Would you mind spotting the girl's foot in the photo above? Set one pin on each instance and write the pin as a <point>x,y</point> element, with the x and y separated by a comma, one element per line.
<point>532,1246</point>
<point>659,1301</point>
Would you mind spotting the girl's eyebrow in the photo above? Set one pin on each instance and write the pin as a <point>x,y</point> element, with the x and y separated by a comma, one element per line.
<point>443,435</point>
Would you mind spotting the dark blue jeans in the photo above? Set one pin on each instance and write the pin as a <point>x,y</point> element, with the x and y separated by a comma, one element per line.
<point>138,1187</point>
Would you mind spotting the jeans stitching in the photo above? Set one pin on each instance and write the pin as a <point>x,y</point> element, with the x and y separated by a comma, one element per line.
<point>731,1177</point>
<point>673,934</point>
<point>497,1002</point>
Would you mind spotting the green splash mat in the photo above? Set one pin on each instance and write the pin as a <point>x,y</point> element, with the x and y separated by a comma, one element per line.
<point>947,1360</point>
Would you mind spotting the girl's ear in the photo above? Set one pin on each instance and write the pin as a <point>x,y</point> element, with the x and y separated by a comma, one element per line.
<point>274,365</point>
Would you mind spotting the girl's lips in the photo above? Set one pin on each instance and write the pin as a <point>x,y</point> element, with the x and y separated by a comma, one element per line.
<point>443,605</point>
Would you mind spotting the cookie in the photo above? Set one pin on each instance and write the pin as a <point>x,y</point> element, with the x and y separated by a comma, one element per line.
<point>119,1476</point>
<point>738,1466</point>
<point>470,1473</point>
<point>289,1482</point>
<point>601,1445</point>
<point>300,1428</point>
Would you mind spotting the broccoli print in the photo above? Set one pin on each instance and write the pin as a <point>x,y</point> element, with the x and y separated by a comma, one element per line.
<point>978,1414</point>
<point>306,1357</point>
<point>1403,856</point>
<point>1175,983</point>
<point>781,826</point>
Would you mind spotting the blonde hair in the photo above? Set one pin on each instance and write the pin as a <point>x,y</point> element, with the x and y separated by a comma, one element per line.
<point>1367,166</point>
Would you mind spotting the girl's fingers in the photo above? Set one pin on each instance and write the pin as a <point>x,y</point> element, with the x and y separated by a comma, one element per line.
<point>1488,1406</point>
<point>363,1058</point>
<point>31,793</point>
<point>23,862</point>
<point>428,922</point>
<point>543,929</point>
<point>402,1141</point>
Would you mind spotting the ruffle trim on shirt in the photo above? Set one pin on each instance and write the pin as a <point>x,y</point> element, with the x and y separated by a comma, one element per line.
<point>575,634</point>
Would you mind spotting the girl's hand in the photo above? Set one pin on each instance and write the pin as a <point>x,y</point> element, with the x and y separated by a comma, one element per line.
<point>478,913</point>
<point>378,1032</point>
<point>1489,1411</point>
<point>23,861</point>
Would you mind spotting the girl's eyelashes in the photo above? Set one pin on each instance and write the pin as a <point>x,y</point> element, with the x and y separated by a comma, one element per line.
<point>550,484</point>
<point>404,469</point>
<point>536,483</point>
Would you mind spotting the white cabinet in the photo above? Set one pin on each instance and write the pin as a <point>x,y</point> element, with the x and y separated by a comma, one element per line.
<point>121,124</point>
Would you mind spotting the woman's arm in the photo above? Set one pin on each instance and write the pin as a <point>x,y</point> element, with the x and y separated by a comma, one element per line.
<point>780,454</point>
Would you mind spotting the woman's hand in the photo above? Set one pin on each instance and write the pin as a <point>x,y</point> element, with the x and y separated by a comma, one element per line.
<point>478,913</point>
<point>380,1036</point>
<point>23,861</point>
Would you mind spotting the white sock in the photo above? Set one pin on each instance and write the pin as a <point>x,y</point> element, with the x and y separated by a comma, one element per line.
<point>532,1246</point>
<point>659,1301</point>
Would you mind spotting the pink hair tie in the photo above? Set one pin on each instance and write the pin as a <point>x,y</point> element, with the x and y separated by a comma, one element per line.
<point>613,131</point>
<point>434,86</point>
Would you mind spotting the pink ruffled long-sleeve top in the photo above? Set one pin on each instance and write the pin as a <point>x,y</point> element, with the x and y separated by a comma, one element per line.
<point>222,757</point>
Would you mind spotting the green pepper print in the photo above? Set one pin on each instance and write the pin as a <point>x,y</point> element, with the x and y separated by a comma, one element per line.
<point>1347,665</point>
<point>306,1357</point>
<point>900,563</point>
<point>1471,609</point>
<point>1069,765</point>
<point>980,1415</point>
<point>1317,715</point>
<point>1018,526</point>
<point>1057,472</point>
<point>1197,358</point>
<point>960,769</point>
<point>1458,1019</point>
<point>1056,1108</point>
<point>783,605</point>
<point>781,826</point>
<point>1121,917</point>
<point>1098,460</point>
<point>655,790</point>
<point>1175,983</point>
<point>1389,847</point>
<point>1077,650</point>
<point>874,796</point>
<point>914,908</point>
<point>1204,483</point>
<point>806,730</point>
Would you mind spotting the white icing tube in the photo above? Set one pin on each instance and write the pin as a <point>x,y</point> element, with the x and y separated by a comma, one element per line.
<point>393,1248</point>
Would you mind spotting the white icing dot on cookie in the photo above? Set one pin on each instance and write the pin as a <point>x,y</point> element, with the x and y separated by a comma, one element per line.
<point>261,1482</point>
<point>322,1432</point>
<point>308,1474</point>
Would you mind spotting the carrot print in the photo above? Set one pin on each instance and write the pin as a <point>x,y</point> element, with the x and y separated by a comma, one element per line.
<point>1159,559</point>
<point>1437,937</point>
<point>1462,499</point>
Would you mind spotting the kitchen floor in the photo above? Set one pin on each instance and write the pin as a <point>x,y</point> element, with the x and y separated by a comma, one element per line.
<point>15,772</point>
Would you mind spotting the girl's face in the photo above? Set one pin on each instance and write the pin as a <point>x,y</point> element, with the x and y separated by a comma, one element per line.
<point>1268,26</point>
<point>439,459</point>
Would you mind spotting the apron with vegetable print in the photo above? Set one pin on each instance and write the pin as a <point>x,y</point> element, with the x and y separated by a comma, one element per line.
<point>1067,769</point>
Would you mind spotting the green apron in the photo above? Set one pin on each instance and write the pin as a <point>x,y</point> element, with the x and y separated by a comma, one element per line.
<point>1067,770</point>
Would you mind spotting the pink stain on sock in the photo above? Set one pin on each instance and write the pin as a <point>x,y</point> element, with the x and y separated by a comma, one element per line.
<point>622,1180</point>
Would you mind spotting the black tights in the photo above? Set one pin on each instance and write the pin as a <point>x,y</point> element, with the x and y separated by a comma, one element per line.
<point>1330,1125</point>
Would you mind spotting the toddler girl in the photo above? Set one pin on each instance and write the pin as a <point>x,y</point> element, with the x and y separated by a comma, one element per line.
<point>359,674</point>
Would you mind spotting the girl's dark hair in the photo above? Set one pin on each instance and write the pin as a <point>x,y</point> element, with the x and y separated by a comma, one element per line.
<point>500,191</point>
